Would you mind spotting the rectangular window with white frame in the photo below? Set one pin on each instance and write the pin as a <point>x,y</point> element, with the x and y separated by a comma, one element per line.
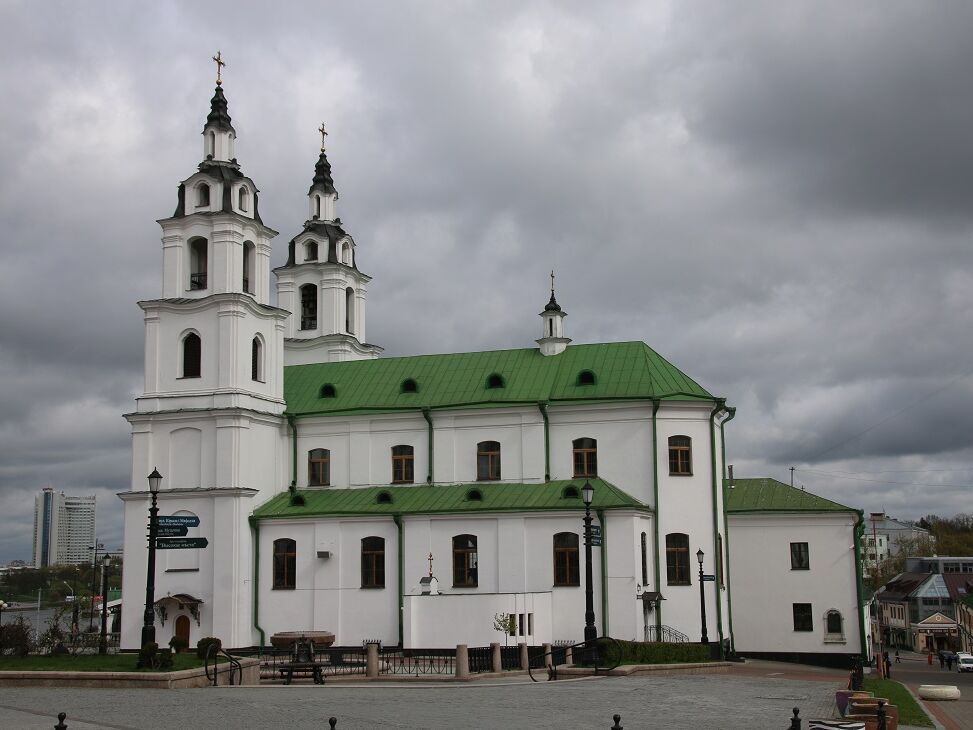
<point>800,556</point>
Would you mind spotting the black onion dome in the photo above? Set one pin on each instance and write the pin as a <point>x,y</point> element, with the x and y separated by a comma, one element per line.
<point>552,306</point>
<point>322,175</point>
<point>219,115</point>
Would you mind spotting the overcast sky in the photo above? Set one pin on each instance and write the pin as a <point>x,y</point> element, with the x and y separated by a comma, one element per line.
<point>778,197</point>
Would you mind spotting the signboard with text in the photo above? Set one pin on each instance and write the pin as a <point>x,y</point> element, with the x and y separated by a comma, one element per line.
<point>180,543</point>
<point>177,521</point>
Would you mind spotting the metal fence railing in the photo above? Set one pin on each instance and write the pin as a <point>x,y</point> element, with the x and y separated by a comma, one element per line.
<point>334,660</point>
<point>393,660</point>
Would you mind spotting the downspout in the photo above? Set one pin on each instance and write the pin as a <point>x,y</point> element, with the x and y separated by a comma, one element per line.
<point>656,403</point>
<point>604,571</point>
<point>428,417</point>
<point>542,407</point>
<point>296,499</point>
<point>717,407</point>
<point>398,524</point>
<point>859,531</point>
<point>255,526</point>
<point>731,413</point>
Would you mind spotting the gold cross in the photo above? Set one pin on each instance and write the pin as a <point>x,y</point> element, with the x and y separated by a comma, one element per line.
<point>552,282</point>
<point>430,564</point>
<point>323,135</point>
<point>220,63</point>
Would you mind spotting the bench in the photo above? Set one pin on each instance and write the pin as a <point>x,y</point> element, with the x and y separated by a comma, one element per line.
<point>302,660</point>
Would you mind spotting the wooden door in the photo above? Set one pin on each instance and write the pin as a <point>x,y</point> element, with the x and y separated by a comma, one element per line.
<point>182,628</point>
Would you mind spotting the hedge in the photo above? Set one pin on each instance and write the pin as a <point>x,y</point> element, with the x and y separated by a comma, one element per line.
<point>638,652</point>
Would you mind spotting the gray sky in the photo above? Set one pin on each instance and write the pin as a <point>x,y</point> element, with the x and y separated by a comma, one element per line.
<point>775,196</point>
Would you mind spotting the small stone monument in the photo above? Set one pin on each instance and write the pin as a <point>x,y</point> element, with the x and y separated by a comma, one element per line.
<point>429,584</point>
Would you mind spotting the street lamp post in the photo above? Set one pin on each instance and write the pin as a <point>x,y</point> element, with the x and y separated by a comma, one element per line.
<point>702,598</point>
<point>103,641</point>
<point>590,632</point>
<point>74,607</point>
<point>94,584</point>
<point>148,619</point>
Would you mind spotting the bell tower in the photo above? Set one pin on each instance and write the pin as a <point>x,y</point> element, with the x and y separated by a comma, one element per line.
<point>321,285</point>
<point>553,341</point>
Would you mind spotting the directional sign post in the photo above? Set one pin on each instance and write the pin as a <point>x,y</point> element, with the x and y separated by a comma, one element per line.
<point>180,543</point>
<point>171,531</point>
<point>177,521</point>
<point>596,536</point>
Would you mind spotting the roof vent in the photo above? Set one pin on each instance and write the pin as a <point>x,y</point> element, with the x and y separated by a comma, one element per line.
<point>410,386</point>
<point>474,495</point>
<point>495,381</point>
<point>586,377</point>
<point>384,498</point>
<point>328,391</point>
<point>570,492</point>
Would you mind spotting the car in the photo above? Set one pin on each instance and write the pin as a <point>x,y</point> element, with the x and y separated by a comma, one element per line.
<point>964,662</point>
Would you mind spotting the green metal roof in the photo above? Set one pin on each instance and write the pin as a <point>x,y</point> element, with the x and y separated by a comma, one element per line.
<point>446,498</point>
<point>623,370</point>
<point>770,495</point>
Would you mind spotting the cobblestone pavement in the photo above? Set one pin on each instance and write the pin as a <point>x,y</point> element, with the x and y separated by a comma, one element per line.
<point>676,702</point>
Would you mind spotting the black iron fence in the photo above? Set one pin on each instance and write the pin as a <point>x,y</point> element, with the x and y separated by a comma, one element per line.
<point>509,658</point>
<point>334,660</point>
<point>393,660</point>
<point>481,659</point>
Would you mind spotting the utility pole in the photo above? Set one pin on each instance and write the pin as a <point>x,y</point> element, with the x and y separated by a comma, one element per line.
<point>792,477</point>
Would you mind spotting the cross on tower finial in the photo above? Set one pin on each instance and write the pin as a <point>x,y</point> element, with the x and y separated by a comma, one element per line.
<point>552,282</point>
<point>324,134</point>
<point>430,564</point>
<point>220,63</point>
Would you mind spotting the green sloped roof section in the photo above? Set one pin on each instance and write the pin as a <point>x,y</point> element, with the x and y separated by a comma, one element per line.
<point>623,370</point>
<point>770,495</point>
<point>446,499</point>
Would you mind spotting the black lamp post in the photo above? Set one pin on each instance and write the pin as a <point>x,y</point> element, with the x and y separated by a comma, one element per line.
<point>148,619</point>
<point>103,641</point>
<point>590,632</point>
<point>702,598</point>
<point>94,584</point>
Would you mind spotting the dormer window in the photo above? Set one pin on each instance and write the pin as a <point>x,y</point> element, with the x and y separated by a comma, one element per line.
<point>410,386</point>
<point>495,381</point>
<point>243,200</point>
<point>586,377</point>
<point>384,498</point>
<point>328,391</point>
<point>311,251</point>
<point>202,195</point>
<point>474,495</point>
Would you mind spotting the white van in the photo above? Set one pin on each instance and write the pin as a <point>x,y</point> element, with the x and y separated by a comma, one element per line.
<point>964,662</point>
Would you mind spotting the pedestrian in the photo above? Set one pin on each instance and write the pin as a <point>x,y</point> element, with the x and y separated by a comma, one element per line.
<point>888,666</point>
<point>949,662</point>
<point>942,661</point>
<point>897,659</point>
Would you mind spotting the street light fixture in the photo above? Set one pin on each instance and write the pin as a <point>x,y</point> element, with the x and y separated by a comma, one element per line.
<point>590,632</point>
<point>702,598</point>
<point>103,641</point>
<point>148,618</point>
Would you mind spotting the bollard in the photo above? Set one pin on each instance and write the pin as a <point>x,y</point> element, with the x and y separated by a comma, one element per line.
<point>462,661</point>
<point>524,656</point>
<point>880,712</point>
<point>617,725</point>
<point>60,722</point>
<point>569,656</point>
<point>796,720</point>
<point>332,721</point>
<point>371,660</point>
<point>495,659</point>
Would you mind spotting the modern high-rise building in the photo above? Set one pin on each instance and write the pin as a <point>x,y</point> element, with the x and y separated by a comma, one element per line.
<point>64,528</point>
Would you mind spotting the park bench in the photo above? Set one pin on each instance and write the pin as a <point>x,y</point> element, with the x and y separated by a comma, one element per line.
<point>303,662</point>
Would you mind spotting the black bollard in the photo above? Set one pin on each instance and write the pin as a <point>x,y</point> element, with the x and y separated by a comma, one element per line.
<point>60,722</point>
<point>796,720</point>
<point>880,712</point>
<point>617,725</point>
<point>332,721</point>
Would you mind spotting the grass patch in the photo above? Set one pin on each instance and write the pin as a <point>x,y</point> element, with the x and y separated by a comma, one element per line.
<point>910,713</point>
<point>90,663</point>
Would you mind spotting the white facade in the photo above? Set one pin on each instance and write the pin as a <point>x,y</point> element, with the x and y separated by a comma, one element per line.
<point>64,528</point>
<point>767,583</point>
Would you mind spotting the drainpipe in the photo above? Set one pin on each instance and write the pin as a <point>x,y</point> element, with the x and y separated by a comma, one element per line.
<point>428,417</point>
<point>717,407</point>
<point>398,525</point>
<point>542,407</point>
<point>731,413</point>
<point>295,497</point>
<point>859,531</point>
<point>656,403</point>
<point>255,526</point>
<point>604,571</point>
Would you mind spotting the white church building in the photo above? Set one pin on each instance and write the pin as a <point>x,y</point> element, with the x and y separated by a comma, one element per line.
<point>328,480</point>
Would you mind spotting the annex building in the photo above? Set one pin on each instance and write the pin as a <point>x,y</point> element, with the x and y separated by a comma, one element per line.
<point>330,481</point>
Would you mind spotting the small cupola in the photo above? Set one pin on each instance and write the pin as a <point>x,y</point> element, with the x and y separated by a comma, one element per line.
<point>218,133</point>
<point>552,340</point>
<point>322,194</point>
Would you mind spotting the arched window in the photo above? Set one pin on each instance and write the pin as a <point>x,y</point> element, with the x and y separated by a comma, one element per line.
<point>346,253</point>
<point>202,195</point>
<point>249,253</point>
<point>566,572</point>
<point>586,377</point>
<point>495,381</point>
<point>402,465</point>
<point>309,307</point>
<point>318,468</point>
<point>192,356</point>
<point>373,562</point>
<point>488,461</point>
<point>257,360</point>
<point>464,561</point>
<point>243,199</point>
<point>585,457</point>
<point>834,626</point>
<point>285,564</point>
<point>210,144</point>
<point>197,263</point>
<point>311,251</point>
<point>677,559</point>
<point>680,456</point>
<point>328,391</point>
<point>317,206</point>
<point>350,311</point>
<point>410,386</point>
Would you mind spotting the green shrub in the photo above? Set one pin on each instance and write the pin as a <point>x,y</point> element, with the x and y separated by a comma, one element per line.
<point>639,652</point>
<point>178,644</point>
<point>148,655</point>
<point>202,646</point>
<point>15,638</point>
<point>165,658</point>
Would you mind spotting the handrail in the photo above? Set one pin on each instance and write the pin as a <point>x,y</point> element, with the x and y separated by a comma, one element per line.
<point>235,666</point>
<point>584,646</point>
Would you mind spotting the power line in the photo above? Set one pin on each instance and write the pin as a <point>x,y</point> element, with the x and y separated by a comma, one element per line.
<point>884,481</point>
